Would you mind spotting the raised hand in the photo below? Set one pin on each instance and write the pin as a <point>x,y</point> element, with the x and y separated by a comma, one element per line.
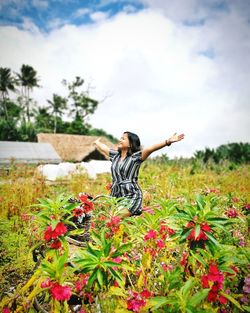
<point>175,138</point>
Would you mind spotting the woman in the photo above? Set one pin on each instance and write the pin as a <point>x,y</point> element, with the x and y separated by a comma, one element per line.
<point>126,162</point>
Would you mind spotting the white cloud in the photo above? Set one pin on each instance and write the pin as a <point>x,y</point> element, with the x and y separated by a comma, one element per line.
<point>82,12</point>
<point>40,4</point>
<point>98,16</point>
<point>150,67</point>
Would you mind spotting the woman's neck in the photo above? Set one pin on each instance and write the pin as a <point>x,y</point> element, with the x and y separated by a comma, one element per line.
<point>124,154</point>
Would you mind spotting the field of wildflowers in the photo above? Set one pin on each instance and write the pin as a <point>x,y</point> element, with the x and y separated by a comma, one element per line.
<point>187,252</point>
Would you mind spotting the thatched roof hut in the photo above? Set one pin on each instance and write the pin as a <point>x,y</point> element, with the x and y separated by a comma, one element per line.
<point>76,148</point>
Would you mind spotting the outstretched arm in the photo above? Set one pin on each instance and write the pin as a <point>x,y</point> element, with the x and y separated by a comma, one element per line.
<point>101,146</point>
<point>147,151</point>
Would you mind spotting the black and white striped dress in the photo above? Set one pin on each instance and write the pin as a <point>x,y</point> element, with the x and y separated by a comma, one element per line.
<point>124,179</point>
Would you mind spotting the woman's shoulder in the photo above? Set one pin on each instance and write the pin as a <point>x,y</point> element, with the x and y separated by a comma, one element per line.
<point>137,155</point>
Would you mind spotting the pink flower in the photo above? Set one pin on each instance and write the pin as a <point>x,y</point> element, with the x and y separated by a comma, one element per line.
<point>117,260</point>
<point>46,283</point>
<point>81,282</point>
<point>150,234</point>
<point>164,266</point>
<point>60,293</point>
<point>6,310</point>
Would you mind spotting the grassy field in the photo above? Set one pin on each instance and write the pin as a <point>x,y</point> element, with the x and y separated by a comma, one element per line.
<point>196,220</point>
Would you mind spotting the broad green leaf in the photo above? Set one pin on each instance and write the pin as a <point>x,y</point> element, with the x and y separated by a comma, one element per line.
<point>92,278</point>
<point>156,302</point>
<point>186,288</point>
<point>100,277</point>
<point>198,297</point>
<point>211,238</point>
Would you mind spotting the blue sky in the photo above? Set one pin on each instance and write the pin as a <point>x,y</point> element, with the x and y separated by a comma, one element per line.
<point>157,67</point>
<point>76,12</point>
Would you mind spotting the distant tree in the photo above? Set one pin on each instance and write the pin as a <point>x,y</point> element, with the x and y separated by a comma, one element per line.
<point>27,79</point>
<point>57,106</point>
<point>7,83</point>
<point>101,132</point>
<point>81,103</point>
<point>44,122</point>
<point>235,152</point>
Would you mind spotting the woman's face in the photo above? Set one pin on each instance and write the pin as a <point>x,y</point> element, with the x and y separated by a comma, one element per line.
<point>124,142</point>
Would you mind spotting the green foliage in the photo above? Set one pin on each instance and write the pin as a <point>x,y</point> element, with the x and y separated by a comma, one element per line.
<point>237,153</point>
<point>150,256</point>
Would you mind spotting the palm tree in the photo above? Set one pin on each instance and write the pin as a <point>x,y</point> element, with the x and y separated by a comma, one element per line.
<point>7,83</point>
<point>58,105</point>
<point>28,80</point>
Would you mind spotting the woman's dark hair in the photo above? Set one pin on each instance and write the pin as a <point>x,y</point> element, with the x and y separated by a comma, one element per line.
<point>134,142</point>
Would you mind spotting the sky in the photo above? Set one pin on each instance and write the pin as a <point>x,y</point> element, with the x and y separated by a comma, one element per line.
<point>157,67</point>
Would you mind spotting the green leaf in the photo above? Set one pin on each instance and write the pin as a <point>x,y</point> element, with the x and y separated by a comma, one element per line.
<point>198,297</point>
<point>200,202</point>
<point>117,276</point>
<point>100,277</point>
<point>92,278</point>
<point>156,302</point>
<point>199,258</point>
<point>211,238</point>
<point>187,286</point>
<point>231,299</point>
<point>185,233</point>
<point>122,249</point>
<point>197,230</point>
<point>107,249</point>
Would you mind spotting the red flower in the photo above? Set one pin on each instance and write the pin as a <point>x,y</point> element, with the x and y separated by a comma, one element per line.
<point>160,243</point>
<point>231,213</point>
<point>88,205</point>
<point>78,211</point>
<point>206,227</point>
<point>146,294</point>
<point>113,224</point>
<point>212,296</point>
<point>56,244</point>
<point>60,293</point>
<point>59,230</point>
<point>108,186</point>
<point>222,300</point>
<point>48,233</point>
<point>150,234</point>
<point>6,310</point>
<point>184,259</point>
<point>204,281</point>
<point>81,282</point>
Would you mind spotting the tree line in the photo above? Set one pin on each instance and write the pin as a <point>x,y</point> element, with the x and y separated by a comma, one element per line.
<point>22,118</point>
<point>238,153</point>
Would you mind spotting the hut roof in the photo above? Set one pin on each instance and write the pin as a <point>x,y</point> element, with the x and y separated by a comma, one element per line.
<point>75,147</point>
<point>27,152</point>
